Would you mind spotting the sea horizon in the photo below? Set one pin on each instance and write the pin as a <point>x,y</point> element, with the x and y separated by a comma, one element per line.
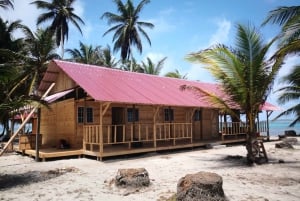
<point>278,127</point>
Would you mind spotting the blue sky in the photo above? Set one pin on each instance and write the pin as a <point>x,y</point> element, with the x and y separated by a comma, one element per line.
<point>181,27</point>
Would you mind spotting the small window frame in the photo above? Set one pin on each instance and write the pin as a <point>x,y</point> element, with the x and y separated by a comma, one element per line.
<point>132,114</point>
<point>169,114</point>
<point>197,115</point>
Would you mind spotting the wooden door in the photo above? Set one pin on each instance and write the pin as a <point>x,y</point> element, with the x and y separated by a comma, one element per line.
<point>118,120</point>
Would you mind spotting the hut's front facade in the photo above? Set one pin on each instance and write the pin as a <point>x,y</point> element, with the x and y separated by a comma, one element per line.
<point>107,112</point>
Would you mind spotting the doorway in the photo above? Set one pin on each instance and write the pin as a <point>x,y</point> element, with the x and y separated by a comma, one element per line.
<point>118,120</point>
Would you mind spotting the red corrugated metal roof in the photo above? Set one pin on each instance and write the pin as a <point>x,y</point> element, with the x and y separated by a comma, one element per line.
<point>112,85</point>
<point>270,107</point>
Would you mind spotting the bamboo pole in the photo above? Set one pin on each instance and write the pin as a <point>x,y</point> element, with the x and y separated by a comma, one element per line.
<point>26,120</point>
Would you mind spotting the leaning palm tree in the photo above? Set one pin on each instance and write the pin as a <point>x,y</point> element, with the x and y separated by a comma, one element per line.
<point>5,4</point>
<point>60,12</point>
<point>291,92</point>
<point>245,74</point>
<point>86,54</point>
<point>289,20</point>
<point>151,68</point>
<point>127,27</point>
<point>176,74</point>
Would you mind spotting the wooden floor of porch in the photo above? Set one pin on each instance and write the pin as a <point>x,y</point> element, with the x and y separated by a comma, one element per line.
<point>124,149</point>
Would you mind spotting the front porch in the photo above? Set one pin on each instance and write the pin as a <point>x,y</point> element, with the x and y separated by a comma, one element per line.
<point>125,139</point>
<point>123,149</point>
<point>114,140</point>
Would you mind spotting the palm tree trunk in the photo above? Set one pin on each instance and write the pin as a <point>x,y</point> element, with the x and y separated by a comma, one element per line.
<point>62,50</point>
<point>251,138</point>
<point>62,45</point>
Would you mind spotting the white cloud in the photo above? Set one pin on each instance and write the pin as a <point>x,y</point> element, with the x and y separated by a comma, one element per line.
<point>87,28</point>
<point>79,8</point>
<point>161,22</point>
<point>24,11</point>
<point>197,72</point>
<point>222,33</point>
<point>161,25</point>
<point>28,13</point>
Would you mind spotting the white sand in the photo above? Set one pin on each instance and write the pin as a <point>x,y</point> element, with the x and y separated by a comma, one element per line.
<point>21,178</point>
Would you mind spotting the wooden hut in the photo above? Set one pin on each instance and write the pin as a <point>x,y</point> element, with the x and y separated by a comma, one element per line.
<point>106,112</point>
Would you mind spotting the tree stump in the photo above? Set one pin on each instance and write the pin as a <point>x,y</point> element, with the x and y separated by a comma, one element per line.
<point>132,178</point>
<point>202,186</point>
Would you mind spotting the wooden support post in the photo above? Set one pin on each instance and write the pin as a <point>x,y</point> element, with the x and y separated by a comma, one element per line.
<point>174,134</point>
<point>155,112</point>
<point>268,129</point>
<point>101,130</point>
<point>192,115</point>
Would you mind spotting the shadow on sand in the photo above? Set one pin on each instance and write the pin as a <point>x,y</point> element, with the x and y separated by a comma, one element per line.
<point>8,181</point>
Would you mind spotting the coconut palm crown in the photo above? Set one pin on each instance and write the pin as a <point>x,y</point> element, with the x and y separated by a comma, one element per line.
<point>60,12</point>
<point>244,72</point>
<point>127,28</point>
<point>291,92</point>
<point>5,4</point>
<point>289,20</point>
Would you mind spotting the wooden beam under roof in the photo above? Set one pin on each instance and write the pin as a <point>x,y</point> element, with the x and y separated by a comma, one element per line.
<point>52,72</point>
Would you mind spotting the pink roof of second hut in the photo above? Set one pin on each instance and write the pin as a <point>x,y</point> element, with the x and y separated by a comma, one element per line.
<point>112,85</point>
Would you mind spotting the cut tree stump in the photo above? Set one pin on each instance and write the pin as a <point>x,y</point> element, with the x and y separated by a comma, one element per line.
<point>132,178</point>
<point>202,186</point>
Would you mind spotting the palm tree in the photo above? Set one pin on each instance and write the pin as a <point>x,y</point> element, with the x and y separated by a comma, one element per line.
<point>127,27</point>
<point>9,70</point>
<point>152,68</point>
<point>290,93</point>
<point>41,49</point>
<point>7,41</point>
<point>131,65</point>
<point>245,75</point>
<point>24,69</point>
<point>107,58</point>
<point>176,74</point>
<point>5,4</point>
<point>61,13</point>
<point>86,54</point>
<point>289,20</point>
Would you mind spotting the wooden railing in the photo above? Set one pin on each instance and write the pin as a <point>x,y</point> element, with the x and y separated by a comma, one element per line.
<point>167,131</point>
<point>117,134</point>
<point>262,127</point>
<point>239,128</point>
<point>232,128</point>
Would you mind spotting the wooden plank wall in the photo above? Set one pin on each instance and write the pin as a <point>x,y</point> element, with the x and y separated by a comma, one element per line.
<point>58,123</point>
<point>61,121</point>
<point>63,82</point>
<point>210,124</point>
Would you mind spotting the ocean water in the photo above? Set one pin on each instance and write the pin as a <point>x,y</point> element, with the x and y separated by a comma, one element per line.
<point>279,126</point>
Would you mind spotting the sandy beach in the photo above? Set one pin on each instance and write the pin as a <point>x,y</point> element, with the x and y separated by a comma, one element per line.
<point>21,178</point>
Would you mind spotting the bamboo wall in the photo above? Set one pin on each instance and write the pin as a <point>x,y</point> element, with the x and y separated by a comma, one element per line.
<point>61,122</point>
<point>209,124</point>
<point>63,82</point>
<point>58,122</point>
